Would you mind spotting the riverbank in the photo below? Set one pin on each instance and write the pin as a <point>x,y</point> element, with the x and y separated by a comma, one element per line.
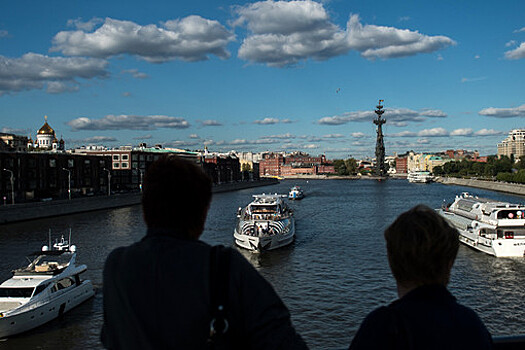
<point>38,210</point>
<point>505,187</point>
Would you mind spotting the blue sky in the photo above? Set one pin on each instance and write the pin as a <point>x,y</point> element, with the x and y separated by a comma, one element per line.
<point>270,75</point>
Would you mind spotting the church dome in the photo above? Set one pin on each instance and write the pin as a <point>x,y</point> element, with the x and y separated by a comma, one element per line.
<point>46,129</point>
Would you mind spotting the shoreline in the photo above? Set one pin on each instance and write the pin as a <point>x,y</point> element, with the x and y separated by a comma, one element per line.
<point>505,187</point>
<point>39,210</point>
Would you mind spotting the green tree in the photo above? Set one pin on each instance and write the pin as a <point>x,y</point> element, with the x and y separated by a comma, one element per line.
<point>340,167</point>
<point>351,166</point>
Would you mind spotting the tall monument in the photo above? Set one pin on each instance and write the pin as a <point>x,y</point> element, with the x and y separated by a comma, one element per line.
<point>380,169</point>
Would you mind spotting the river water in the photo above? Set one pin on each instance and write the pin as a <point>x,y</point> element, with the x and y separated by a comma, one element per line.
<point>330,278</point>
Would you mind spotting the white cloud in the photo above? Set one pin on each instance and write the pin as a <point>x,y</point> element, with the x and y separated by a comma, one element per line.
<point>488,132</point>
<point>440,57</point>
<point>405,133</point>
<point>34,71</point>
<point>210,122</point>
<point>135,73</point>
<point>503,112</point>
<point>129,122</point>
<point>283,33</point>
<point>517,53</point>
<point>477,57</point>
<point>57,87</point>
<point>267,121</point>
<point>98,139</point>
<point>462,132</point>
<point>358,135</point>
<point>143,137</point>
<point>520,30</point>
<point>333,136</point>
<point>510,43</point>
<point>469,80</point>
<point>192,38</point>
<point>423,141</point>
<point>434,132</point>
<point>85,26</point>
<point>394,116</point>
<point>16,131</point>
<point>194,136</point>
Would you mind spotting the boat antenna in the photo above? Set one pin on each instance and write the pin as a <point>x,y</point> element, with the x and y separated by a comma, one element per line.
<point>69,242</point>
<point>50,239</point>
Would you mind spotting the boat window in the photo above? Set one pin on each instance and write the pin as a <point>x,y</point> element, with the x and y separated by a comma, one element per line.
<point>40,288</point>
<point>259,209</point>
<point>511,214</point>
<point>16,292</point>
<point>65,283</point>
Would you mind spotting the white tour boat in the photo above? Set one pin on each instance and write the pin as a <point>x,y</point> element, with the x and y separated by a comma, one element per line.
<point>296,192</point>
<point>496,228</point>
<point>265,224</point>
<point>420,177</point>
<point>43,290</point>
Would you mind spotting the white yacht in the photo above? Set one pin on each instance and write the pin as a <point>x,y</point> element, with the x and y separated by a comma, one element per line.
<point>420,176</point>
<point>495,228</point>
<point>296,192</point>
<point>265,224</point>
<point>43,290</point>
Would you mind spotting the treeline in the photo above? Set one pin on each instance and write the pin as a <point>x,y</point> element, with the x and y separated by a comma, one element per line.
<point>501,169</point>
<point>345,166</point>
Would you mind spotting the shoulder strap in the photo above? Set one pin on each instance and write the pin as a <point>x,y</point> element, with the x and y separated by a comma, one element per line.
<point>219,283</point>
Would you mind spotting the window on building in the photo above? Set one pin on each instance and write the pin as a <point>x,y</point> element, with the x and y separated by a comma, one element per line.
<point>116,165</point>
<point>124,157</point>
<point>70,163</point>
<point>52,163</point>
<point>125,165</point>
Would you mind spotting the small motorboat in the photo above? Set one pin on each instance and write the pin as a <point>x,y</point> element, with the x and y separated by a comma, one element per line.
<point>296,192</point>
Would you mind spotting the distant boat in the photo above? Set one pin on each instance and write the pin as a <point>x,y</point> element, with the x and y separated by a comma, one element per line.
<point>420,176</point>
<point>296,192</point>
<point>43,290</point>
<point>493,227</point>
<point>265,224</point>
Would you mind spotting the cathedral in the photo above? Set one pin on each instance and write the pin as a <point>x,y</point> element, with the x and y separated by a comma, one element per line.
<point>46,139</point>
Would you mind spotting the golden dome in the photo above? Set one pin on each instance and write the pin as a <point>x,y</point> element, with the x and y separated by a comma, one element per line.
<point>46,129</point>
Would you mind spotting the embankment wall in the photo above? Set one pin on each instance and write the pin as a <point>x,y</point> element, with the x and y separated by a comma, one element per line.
<point>38,210</point>
<point>506,187</point>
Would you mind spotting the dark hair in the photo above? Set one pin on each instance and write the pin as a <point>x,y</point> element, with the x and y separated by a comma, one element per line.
<point>176,195</point>
<point>421,247</point>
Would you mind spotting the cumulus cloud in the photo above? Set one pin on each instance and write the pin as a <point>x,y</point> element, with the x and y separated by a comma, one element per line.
<point>267,121</point>
<point>143,137</point>
<point>128,122</point>
<point>16,131</point>
<point>283,33</point>
<point>503,112</point>
<point>333,136</point>
<point>488,132</point>
<point>126,94</point>
<point>434,132</point>
<point>462,132</point>
<point>194,136</point>
<point>98,139</point>
<point>520,30</point>
<point>135,73</point>
<point>210,122</point>
<point>358,135</point>
<point>192,38</point>
<point>85,26</point>
<point>517,53</point>
<point>395,116</point>
<point>34,71</point>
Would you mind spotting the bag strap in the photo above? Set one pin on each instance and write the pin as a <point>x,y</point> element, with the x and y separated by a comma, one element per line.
<point>219,283</point>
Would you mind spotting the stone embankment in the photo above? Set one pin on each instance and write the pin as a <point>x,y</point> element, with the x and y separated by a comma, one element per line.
<point>506,187</point>
<point>38,210</point>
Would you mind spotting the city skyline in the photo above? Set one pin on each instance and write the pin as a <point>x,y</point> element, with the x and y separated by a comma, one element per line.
<point>257,76</point>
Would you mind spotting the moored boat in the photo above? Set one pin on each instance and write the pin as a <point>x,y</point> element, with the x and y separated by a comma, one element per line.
<point>43,290</point>
<point>266,223</point>
<point>296,192</point>
<point>493,227</point>
<point>420,177</point>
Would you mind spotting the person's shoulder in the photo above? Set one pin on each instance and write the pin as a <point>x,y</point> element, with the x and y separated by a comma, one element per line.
<point>372,334</point>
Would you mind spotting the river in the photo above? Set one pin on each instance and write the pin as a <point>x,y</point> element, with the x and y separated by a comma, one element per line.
<point>330,278</point>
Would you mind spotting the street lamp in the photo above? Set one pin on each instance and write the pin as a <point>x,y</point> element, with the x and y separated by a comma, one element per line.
<point>109,181</point>
<point>68,182</point>
<point>12,179</point>
<point>141,175</point>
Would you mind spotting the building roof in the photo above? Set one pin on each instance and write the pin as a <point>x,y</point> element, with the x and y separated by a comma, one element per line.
<point>46,129</point>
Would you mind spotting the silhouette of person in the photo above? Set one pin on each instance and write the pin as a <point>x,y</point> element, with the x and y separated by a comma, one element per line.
<point>421,248</point>
<point>157,292</point>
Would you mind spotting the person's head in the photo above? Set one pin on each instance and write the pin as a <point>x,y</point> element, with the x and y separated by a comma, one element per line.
<point>176,195</point>
<point>421,247</point>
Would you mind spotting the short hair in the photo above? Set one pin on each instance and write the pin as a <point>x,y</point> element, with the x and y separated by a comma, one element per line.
<point>176,195</point>
<point>421,247</point>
